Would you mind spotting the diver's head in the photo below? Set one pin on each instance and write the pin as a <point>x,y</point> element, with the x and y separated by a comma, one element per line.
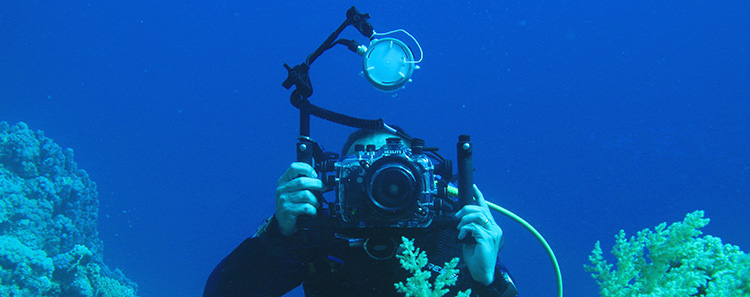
<point>376,137</point>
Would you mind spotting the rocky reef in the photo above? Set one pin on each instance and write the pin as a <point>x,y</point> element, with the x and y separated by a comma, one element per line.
<point>49,244</point>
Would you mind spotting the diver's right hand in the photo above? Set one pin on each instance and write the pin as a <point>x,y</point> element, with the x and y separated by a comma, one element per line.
<point>294,196</point>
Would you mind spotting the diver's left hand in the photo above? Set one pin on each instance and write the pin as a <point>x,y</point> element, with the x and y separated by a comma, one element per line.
<point>477,221</point>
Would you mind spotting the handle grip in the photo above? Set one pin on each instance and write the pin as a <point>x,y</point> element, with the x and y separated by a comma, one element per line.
<point>465,160</point>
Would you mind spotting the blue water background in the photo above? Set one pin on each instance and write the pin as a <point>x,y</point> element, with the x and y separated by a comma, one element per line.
<point>587,116</point>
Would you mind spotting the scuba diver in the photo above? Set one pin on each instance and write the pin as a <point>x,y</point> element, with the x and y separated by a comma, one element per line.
<point>386,186</point>
<point>280,256</point>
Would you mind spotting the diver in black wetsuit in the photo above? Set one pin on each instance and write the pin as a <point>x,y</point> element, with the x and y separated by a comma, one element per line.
<point>280,257</point>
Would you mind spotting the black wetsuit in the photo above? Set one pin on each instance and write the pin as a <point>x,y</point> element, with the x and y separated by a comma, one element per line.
<point>270,264</point>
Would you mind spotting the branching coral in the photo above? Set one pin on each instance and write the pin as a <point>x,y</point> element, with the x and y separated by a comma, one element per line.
<point>418,285</point>
<point>672,261</point>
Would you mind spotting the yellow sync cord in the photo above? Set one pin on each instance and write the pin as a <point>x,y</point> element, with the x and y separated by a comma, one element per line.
<point>453,191</point>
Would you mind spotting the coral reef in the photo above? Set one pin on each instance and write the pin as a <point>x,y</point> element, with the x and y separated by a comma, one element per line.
<point>672,261</point>
<point>49,245</point>
<point>418,285</point>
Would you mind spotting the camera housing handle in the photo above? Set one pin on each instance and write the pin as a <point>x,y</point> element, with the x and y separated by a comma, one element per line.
<point>465,160</point>
<point>465,152</point>
<point>307,152</point>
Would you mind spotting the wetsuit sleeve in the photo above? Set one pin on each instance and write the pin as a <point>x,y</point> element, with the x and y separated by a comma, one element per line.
<point>502,286</point>
<point>259,266</point>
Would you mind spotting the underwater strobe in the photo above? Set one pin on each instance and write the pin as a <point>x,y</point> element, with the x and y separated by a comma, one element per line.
<point>388,62</point>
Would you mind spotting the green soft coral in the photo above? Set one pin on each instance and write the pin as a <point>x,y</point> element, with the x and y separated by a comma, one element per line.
<point>418,285</point>
<point>672,261</point>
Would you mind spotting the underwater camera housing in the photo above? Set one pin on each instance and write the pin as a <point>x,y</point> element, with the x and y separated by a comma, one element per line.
<point>401,185</point>
<point>393,186</point>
